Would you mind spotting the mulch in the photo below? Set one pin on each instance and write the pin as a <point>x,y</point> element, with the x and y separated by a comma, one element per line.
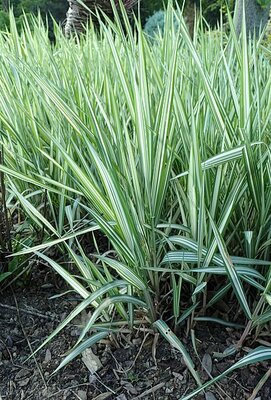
<point>129,369</point>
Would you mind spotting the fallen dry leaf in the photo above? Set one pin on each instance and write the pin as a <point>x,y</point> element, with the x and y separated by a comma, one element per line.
<point>121,397</point>
<point>209,396</point>
<point>103,396</point>
<point>82,394</point>
<point>91,361</point>
<point>48,356</point>
<point>207,363</point>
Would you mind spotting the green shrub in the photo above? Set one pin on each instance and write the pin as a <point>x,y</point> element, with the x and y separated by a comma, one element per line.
<point>156,24</point>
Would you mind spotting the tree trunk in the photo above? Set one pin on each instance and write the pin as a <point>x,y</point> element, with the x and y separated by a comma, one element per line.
<point>78,15</point>
<point>256,16</point>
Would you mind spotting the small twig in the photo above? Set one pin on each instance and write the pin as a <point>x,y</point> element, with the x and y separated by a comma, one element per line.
<point>154,347</point>
<point>250,323</point>
<point>9,353</point>
<point>150,391</point>
<point>11,358</point>
<point>68,388</point>
<point>35,313</point>
<point>260,384</point>
<point>76,395</point>
<point>138,353</point>
<point>244,335</point>
<point>28,342</point>
<point>105,386</point>
<point>224,394</point>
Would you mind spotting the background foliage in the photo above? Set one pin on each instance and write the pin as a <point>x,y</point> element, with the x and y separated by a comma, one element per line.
<point>58,9</point>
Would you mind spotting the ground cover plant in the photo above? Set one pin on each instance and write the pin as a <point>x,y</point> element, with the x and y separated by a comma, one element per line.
<point>163,145</point>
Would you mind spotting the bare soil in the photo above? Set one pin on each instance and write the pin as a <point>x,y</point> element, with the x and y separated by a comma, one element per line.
<point>129,370</point>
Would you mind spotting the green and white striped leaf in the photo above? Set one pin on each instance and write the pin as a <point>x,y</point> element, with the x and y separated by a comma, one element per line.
<point>233,276</point>
<point>95,338</point>
<point>259,354</point>
<point>175,342</point>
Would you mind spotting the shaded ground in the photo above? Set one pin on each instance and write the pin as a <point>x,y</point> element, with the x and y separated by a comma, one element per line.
<point>128,369</point>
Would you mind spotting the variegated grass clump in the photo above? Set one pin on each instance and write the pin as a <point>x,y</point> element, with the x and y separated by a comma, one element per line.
<point>164,147</point>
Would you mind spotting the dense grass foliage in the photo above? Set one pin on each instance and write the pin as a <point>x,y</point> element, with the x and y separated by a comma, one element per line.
<point>163,146</point>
